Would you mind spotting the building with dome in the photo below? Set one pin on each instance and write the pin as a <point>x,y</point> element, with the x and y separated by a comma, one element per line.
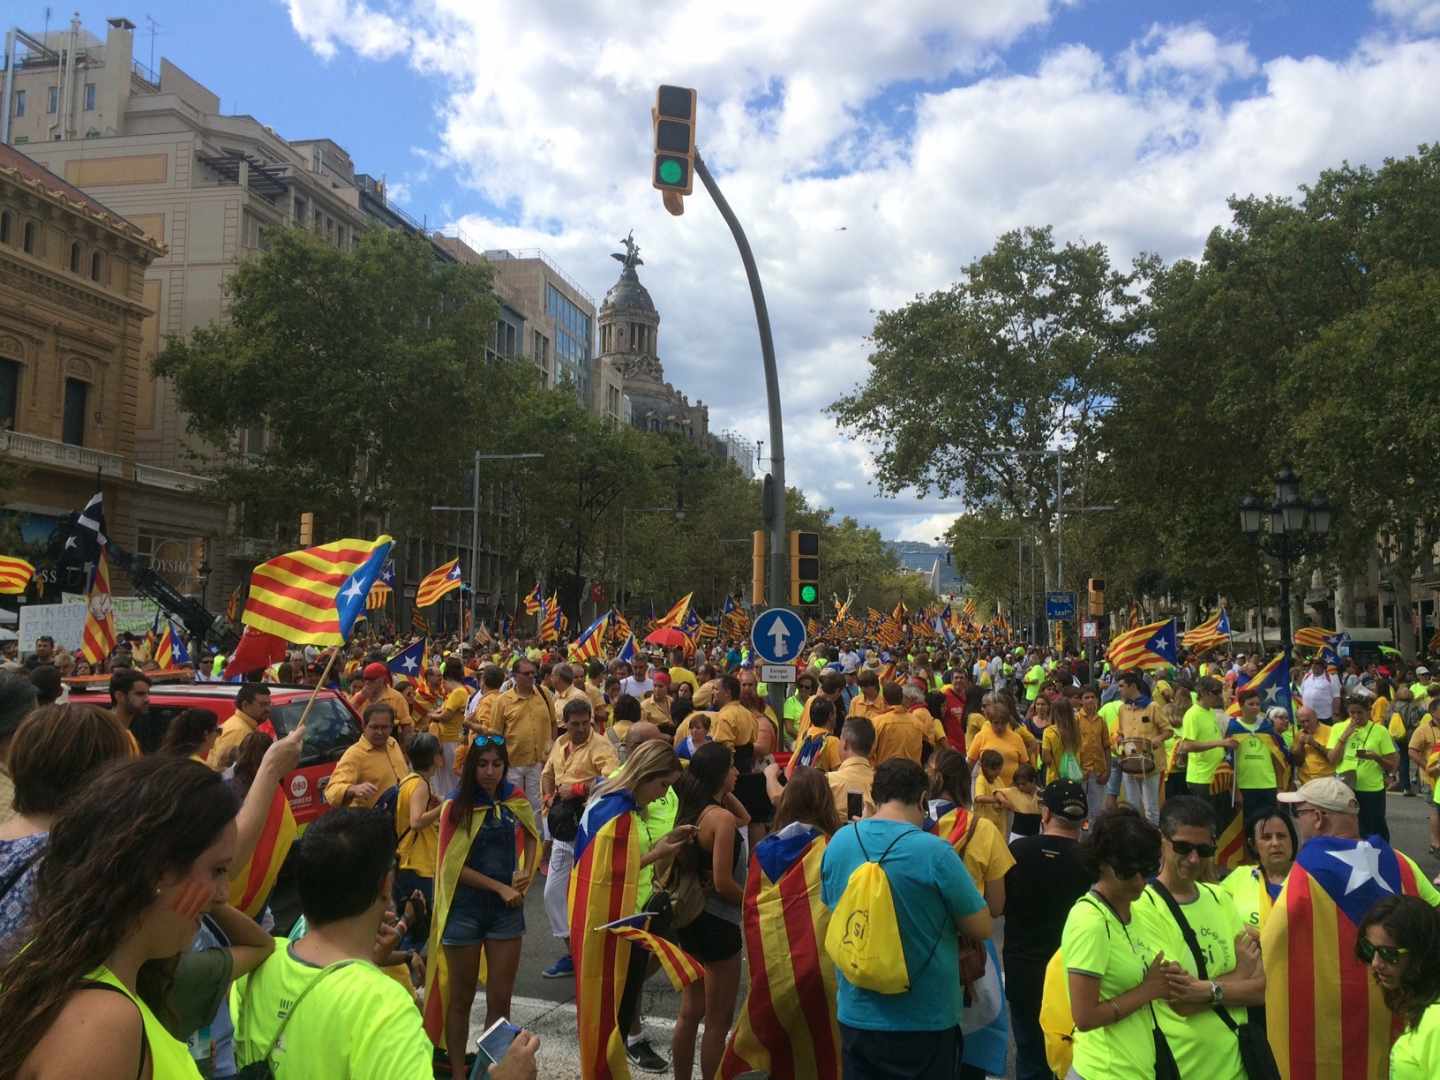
<point>630,343</point>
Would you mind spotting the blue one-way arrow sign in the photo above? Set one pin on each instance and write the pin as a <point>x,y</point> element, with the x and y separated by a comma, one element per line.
<point>777,635</point>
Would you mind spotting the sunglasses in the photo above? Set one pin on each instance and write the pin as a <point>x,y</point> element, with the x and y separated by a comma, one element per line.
<point>1184,848</point>
<point>1145,870</point>
<point>482,741</point>
<point>1390,954</point>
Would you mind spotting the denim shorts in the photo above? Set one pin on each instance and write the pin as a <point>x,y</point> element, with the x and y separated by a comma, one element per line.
<point>470,923</point>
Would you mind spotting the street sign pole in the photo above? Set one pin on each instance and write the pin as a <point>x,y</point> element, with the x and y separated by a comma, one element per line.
<point>777,587</point>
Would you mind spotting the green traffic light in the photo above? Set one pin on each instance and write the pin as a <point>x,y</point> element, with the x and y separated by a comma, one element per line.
<point>671,172</point>
<point>809,594</point>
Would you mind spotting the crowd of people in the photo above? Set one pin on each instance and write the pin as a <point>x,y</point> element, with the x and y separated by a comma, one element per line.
<point>929,860</point>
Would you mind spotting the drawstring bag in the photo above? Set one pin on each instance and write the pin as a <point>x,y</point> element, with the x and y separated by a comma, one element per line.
<point>863,938</point>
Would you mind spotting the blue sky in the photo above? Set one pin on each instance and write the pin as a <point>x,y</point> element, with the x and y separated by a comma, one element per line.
<point>871,151</point>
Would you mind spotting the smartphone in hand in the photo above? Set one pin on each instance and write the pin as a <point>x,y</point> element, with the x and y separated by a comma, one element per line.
<point>496,1040</point>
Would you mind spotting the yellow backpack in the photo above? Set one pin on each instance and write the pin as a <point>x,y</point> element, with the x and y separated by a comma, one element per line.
<point>1056,1020</point>
<point>863,938</point>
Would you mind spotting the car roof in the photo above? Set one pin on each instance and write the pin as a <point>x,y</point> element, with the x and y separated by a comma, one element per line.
<point>211,690</point>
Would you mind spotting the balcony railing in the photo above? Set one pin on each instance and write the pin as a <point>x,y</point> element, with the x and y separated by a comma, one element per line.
<point>42,451</point>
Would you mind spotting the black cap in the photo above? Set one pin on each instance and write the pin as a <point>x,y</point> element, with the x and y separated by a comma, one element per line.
<point>1067,799</point>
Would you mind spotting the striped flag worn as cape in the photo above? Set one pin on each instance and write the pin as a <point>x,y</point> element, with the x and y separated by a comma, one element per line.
<point>602,889</point>
<point>1325,1016</point>
<point>251,883</point>
<point>454,849</point>
<point>788,1025</point>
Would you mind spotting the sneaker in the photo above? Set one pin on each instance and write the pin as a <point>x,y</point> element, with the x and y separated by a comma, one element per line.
<point>644,1058</point>
<point>564,968</point>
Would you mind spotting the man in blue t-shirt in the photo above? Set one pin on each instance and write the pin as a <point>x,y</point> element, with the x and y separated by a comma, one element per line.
<point>915,1033</point>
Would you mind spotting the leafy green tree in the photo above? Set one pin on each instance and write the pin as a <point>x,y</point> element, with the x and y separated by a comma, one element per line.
<point>363,368</point>
<point>968,386</point>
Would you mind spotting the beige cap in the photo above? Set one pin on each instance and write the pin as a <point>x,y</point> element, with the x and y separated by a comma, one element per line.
<point>1324,793</point>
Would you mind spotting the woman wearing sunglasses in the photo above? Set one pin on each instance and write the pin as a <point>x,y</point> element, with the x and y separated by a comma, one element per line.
<point>1112,988</point>
<point>1399,940</point>
<point>480,886</point>
<point>1181,907</point>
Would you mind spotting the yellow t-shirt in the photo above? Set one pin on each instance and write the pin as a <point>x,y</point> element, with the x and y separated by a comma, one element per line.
<point>416,849</point>
<point>981,788</point>
<point>987,856</point>
<point>449,726</point>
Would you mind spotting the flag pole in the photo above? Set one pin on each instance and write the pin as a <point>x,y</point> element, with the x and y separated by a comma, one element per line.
<point>315,692</point>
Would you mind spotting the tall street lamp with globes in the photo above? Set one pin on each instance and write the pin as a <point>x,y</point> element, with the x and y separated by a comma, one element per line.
<point>1287,530</point>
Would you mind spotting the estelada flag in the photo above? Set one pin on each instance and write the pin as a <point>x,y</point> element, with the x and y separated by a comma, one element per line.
<point>534,600</point>
<point>1148,646</point>
<point>679,967</point>
<point>602,889</point>
<point>1326,1017</point>
<point>591,643</point>
<point>15,575</point>
<point>313,596</point>
<point>676,615</point>
<point>443,579</point>
<point>948,821</point>
<point>455,840</point>
<point>252,882</point>
<point>97,641</point>
<point>788,1025</point>
<point>619,625</point>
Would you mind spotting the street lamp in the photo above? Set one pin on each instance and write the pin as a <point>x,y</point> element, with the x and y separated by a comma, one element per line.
<point>1296,529</point>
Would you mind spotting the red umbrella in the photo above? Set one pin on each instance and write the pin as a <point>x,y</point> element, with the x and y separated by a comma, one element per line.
<point>668,637</point>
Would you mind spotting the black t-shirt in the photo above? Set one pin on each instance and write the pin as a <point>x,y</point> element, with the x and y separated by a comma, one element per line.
<point>1040,889</point>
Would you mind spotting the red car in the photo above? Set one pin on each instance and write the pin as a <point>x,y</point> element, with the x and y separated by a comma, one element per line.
<point>331,729</point>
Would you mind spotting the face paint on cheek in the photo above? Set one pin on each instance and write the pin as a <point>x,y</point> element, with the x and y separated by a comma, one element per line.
<point>191,899</point>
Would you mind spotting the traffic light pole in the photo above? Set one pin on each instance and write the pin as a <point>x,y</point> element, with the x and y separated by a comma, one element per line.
<point>777,586</point>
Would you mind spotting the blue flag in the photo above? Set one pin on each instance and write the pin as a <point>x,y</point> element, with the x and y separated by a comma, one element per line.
<point>407,662</point>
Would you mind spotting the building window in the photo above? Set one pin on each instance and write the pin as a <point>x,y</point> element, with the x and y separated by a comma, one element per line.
<point>97,266</point>
<point>74,258</point>
<point>4,226</point>
<point>73,426</point>
<point>9,393</point>
<point>53,105</point>
<point>89,97</point>
<point>29,241</point>
<point>19,102</point>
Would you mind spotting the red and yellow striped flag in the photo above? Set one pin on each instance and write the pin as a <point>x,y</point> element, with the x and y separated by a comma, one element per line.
<point>676,615</point>
<point>602,889</point>
<point>680,967</point>
<point>164,654</point>
<point>1148,646</point>
<point>379,596</point>
<point>534,600</point>
<point>1327,1019</point>
<point>251,883</point>
<point>619,625</point>
<point>312,596</point>
<point>15,575</point>
<point>1313,637</point>
<point>788,1025</point>
<point>443,579</point>
<point>455,840</point>
<point>97,641</point>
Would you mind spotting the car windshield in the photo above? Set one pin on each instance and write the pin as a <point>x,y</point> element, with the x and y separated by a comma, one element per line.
<point>329,730</point>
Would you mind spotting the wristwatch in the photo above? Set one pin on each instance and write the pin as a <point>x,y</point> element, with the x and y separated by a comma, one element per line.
<point>1217,993</point>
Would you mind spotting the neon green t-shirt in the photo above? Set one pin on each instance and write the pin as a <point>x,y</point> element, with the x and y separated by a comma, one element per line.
<point>1416,1053</point>
<point>360,1023</point>
<point>1201,1043</point>
<point>1098,944</point>
<point>1200,724</point>
<point>1034,676</point>
<point>1254,764</point>
<point>1369,775</point>
<point>1243,884</point>
<point>1110,713</point>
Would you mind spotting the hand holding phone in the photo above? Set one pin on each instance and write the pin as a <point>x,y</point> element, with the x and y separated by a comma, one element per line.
<point>496,1040</point>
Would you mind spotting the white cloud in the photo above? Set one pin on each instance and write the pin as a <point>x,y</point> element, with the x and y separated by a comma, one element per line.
<point>871,152</point>
<point>1421,15</point>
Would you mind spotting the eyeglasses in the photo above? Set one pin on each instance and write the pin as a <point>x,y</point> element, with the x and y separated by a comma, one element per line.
<point>1145,870</point>
<point>1184,848</point>
<point>487,740</point>
<point>1389,954</point>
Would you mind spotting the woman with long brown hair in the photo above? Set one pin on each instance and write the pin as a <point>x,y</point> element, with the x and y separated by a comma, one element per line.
<point>1060,747</point>
<point>135,858</point>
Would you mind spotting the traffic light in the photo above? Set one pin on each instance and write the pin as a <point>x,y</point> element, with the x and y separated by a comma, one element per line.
<point>307,529</point>
<point>1097,596</point>
<point>804,569</point>
<point>674,117</point>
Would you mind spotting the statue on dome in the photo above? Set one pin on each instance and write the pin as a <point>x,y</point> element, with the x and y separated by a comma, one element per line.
<point>631,258</point>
